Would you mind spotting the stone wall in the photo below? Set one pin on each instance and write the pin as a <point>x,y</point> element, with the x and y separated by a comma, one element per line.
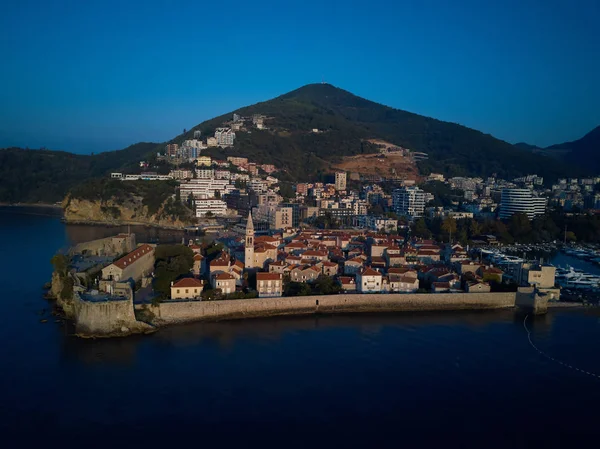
<point>173,312</point>
<point>104,319</point>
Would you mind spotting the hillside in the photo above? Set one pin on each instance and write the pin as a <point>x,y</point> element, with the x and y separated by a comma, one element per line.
<point>44,176</point>
<point>584,152</point>
<point>112,201</point>
<point>348,121</point>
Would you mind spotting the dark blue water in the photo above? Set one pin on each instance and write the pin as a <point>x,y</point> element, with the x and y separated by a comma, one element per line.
<point>408,380</point>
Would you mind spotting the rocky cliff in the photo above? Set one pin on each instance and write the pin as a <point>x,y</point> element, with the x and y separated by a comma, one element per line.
<point>131,211</point>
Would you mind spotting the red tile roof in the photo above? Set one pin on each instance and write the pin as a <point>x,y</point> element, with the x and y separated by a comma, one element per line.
<point>187,283</point>
<point>224,276</point>
<point>261,276</point>
<point>133,256</point>
<point>369,272</point>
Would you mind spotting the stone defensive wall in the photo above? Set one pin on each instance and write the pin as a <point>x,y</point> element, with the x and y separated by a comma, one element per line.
<point>170,312</point>
<point>106,318</point>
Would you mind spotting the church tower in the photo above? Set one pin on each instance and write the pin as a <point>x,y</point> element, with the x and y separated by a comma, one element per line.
<point>249,244</point>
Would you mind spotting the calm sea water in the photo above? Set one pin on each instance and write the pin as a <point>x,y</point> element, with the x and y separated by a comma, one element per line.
<point>402,380</point>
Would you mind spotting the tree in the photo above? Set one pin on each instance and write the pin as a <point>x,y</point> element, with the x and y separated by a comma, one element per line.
<point>60,263</point>
<point>218,194</point>
<point>449,227</point>
<point>421,229</point>
<point>172,262</point>
<point>325,285</point>
<point>520,226</point>
<point>571,236</point>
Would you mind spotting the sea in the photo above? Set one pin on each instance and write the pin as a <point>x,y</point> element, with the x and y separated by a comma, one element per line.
<point>492,379</point>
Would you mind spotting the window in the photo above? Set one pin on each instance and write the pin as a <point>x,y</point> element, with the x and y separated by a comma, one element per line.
<point>178,291</point>
<point>186,291</point>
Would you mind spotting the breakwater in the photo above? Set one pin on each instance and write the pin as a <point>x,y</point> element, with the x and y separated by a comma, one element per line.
<point>171,312</point>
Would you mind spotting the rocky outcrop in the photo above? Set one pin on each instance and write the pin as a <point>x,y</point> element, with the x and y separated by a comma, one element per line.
<point>112,212</point>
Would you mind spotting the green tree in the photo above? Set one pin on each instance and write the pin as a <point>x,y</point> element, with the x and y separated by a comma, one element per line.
<point>571,236</point>
<point>520,227</point>
<point>421,229</point>
<point>325,285</point>
<point>60,263</point>
<point>449,227</point>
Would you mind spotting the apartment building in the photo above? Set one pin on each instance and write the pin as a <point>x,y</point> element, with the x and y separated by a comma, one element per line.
<point>340,180</point>
<point>210,207</point>
<point>224,136</point>
<point>515,201</point>
<point>409,202</point>
<point>205,188</point>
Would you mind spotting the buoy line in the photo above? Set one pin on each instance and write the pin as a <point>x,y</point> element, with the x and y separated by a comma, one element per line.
<point>566,365</point>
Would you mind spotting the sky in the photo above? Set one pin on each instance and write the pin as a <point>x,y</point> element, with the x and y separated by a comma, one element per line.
<point>89,76</point>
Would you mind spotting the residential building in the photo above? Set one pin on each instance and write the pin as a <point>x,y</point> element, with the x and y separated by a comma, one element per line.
<point>181,174</point>
<point>515,201</point>
<point>210,207</point>
<point>237,161</point>
<point>369,281</point>
<point>225,282</point>
<point>211,142</point>
<point>409,202</point>
<point>205,173</point>
<point>205,188</point>
<point>277,217</point>
<point>204,160</point>
<point>187,288</point>
<point>171,149</point>
<point>224,136</point>
<point>305,273</point>
<point>340,180</point>
<point>269,285</point>
<point>348,284</point>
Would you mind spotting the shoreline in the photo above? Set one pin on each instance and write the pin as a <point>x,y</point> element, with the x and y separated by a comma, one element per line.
<point>40,205</point>
<point>112,224</point>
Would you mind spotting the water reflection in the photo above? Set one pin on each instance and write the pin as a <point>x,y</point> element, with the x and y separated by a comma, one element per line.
<point>226,335</point>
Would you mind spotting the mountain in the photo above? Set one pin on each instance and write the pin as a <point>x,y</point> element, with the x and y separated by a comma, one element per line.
<point>347,126</point>
<point>44,176</point>
<point>348,121</point>
<point>584,152</point>
<point>526,146</point>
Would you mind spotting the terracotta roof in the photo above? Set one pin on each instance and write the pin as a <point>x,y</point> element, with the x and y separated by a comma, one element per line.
<point>329,264</point>
<point>192,247</point>
<point>224,276</point>
<point>346,280</point>
<point>133,256</point>
<point>398,270</point>
<point>265,239</point>
<point>187,283</point>
<point>261,276</point>
<point>408,280</point>
<point>441,284</point>
<point>355,260</point>
<point>311,252</point>
<point>198,257</point>
<point>369,272</point>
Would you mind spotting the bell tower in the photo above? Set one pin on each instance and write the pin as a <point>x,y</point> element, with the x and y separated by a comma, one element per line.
<point>249,243</point>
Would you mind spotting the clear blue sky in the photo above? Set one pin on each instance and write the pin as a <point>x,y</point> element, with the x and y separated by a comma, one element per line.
<point>90,75</point>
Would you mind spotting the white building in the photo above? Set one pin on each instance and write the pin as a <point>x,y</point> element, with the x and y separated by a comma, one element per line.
<point>515,201</point>
<point>205,188</point>
<point>375,223</point>
<point>224,136</point>
<point>212,207</point>
<point>409,202</point>
<point>205,173</point>
<point>368,280</point>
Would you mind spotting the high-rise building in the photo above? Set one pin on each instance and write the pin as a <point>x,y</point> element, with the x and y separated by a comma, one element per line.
<point>340,180</point>
<point>197,134</point>
<point>409,202</point>
<point>513,201</point>
<point>171,149</point>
